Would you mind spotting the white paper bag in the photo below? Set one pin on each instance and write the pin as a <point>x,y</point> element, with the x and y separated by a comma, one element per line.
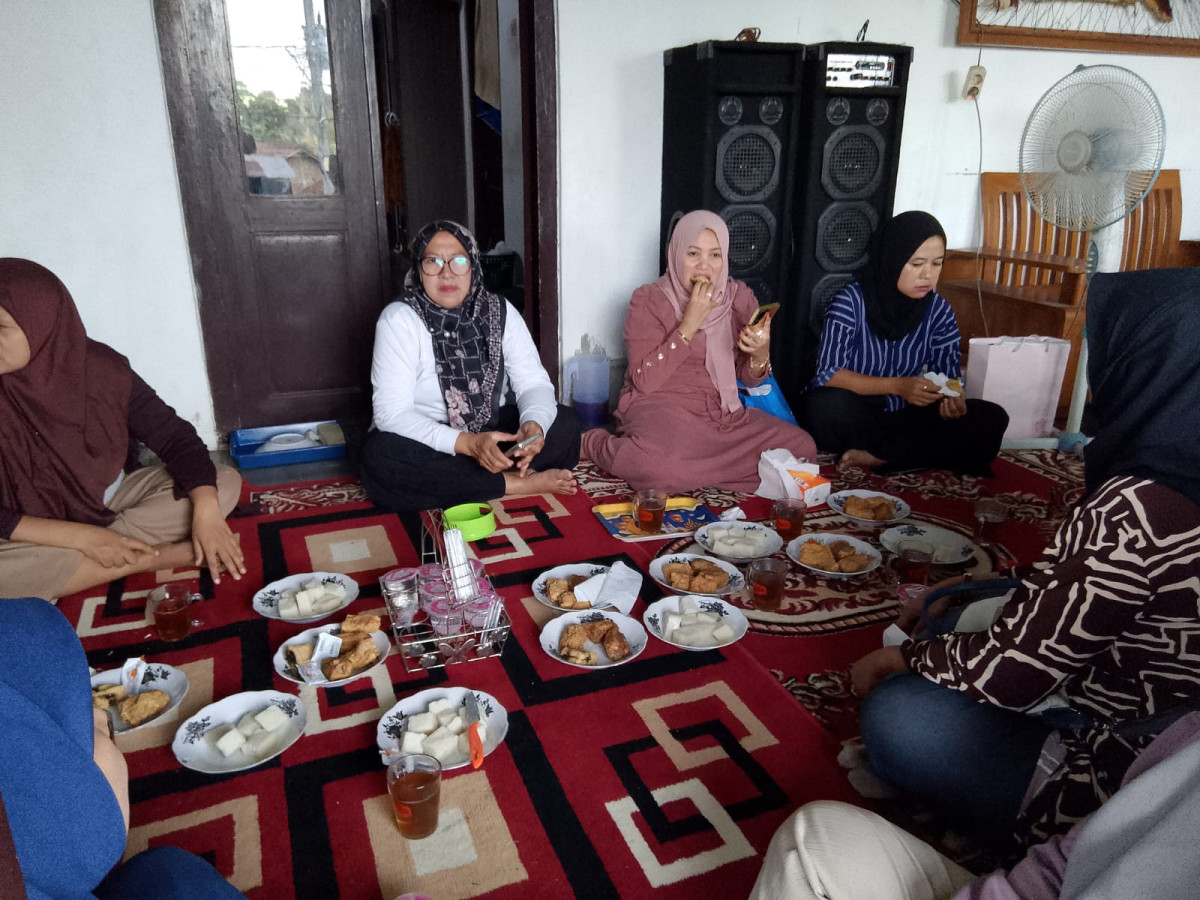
<point>1022,374</point>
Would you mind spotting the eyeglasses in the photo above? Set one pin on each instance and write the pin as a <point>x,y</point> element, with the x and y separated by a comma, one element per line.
<point>432,265</point>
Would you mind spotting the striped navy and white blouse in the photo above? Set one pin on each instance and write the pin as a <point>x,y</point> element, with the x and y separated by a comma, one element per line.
<point>847,342</point>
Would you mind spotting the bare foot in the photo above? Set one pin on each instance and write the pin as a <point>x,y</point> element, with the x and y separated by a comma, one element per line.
<point>859,458</point>
<point>551,481</point>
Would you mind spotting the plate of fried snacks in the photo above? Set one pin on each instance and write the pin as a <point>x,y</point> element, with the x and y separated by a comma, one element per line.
<point>590,639</point>
<point>738,542</point>
<point>361,646</point>
<point>695,623</point>
<point>240,732</point>
<point>555,587</point>
<point>306,598</point>
<point>835,555</point>
<point>691,573</point>
<point>434,723</point>
<point>949,548</point>
<point>158,689</point>
<point>869,507</point>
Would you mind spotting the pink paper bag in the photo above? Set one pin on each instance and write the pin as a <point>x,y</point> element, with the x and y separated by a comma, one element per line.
<point>1022,374</point>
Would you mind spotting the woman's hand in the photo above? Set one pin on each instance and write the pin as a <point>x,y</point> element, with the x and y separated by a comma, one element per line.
<point>866,674</point>
<point>525,455</point>
<point>109,548</point>
<point>482,447</point>
<point>952,408</point>
<point>917,390</point>
<point>756,343</point>
<point>214,544</point>
<point>700,304</point>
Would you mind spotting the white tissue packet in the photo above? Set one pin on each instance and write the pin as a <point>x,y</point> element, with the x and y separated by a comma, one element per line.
<point>943,387</point>
<point>589,591</point>
<point>733,514</point>
<point>329,646</point>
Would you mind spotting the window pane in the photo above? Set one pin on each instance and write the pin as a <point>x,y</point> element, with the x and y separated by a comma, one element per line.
<point>285,96</point>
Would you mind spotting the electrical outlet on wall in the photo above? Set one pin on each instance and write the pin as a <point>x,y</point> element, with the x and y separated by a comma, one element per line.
<point>973,83</point>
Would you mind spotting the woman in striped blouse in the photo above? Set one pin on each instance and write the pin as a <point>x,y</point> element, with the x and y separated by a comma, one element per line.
<point>870,401</point>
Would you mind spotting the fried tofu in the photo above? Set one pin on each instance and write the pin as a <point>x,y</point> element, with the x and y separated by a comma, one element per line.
<point>573,637</point>
<point>362,623</point>
<point>878,509</point>
<point>819,556</point>
<point>855,562</point>
<point>709,581</point>
<point>146,705</point>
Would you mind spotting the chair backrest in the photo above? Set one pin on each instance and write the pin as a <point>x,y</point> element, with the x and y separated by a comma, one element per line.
<point>1152,229</point>
<point>1011,223</point>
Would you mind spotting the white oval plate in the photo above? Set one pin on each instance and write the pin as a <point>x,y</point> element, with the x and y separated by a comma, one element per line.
<point>737,581</point>
<point>634,633</point>
<point>793,552</point>
<point>155,676</point>
<point>771,541</point>
<point>285,671</point>
<point>950,548</point>
<point>193,751</point>
<point>539,584</point>
<point>732,616</point>
<point>837,502</point>
<point>390,730</point>
<point>266,601</point>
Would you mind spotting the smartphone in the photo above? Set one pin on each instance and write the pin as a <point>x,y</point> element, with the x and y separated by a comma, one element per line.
<point>508,448</point>
<point>767,309</point>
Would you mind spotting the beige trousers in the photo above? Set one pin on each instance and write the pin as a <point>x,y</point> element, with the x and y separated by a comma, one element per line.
<point>146,509</point>
<point>834,851</point>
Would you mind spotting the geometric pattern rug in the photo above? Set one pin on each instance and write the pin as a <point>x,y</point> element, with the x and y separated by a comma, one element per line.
<point>666,775</point>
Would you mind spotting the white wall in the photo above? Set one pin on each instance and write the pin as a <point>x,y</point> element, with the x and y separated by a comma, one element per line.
<point>610,131</point>
<point>88,186</point>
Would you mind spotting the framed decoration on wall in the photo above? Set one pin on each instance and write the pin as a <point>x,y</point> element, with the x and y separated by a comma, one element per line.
<point>1153,27</point>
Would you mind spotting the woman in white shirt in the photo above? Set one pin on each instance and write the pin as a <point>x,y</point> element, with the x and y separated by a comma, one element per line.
<point>446,354</point>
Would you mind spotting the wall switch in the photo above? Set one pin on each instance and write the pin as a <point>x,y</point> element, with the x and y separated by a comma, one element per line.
<point>974,82</point>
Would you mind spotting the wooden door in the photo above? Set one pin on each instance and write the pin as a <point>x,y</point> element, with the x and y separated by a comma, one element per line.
<point>282,198</point>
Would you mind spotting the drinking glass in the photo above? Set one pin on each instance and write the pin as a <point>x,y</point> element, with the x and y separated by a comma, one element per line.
<point>767,578</point>
<point>787,516</point>
<point>415,785</point>
<point>914,559</point>
<point>648,510</point>
<point>168,606</point>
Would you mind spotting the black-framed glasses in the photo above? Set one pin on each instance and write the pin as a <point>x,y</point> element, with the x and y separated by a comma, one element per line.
<point>432,265</point>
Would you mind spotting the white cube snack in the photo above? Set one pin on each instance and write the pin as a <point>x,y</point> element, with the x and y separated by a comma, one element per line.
<point>671,621</point>
<point>311,585</point>
<point>230,741</point>
<point>327,603</point>
<point>336,590</point>
<point>446,716</point>
<point>272,718</point>
<point>412,742</point>
<point>263,744</point>
<point>438,734</point>
<point>456,725</point>
<point>697,635</point>
<point>288,608</point>
<point>723,633</point>
<point>464,745</point>
<point>215,733</point>
<point>438,706</point>
<point>423,723</point>
<point>688,604</point>
<point>248,724</point>
<point>704,616</point>
<point>442,748</point>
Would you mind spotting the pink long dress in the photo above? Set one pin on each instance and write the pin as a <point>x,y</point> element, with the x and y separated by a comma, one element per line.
<point>672,431</point>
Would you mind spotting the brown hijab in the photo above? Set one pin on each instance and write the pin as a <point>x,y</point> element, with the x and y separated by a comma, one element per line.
<point>64,431</point>
<point>718,342</point>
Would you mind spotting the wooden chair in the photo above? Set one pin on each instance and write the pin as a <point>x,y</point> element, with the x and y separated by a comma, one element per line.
<point>1030,275</point>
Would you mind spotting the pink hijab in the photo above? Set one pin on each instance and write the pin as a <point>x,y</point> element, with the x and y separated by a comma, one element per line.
<point>719,346</point>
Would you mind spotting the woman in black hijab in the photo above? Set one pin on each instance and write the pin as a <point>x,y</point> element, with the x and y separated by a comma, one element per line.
<point>871,400</point>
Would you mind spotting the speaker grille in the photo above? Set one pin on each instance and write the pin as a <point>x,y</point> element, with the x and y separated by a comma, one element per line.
<point>748,163</point>
<point>842,233</point>
<point>822,295</point>
<point>751,237</point>
<point>853,163</point>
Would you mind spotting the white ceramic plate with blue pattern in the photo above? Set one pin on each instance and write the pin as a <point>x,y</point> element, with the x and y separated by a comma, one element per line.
<point>949,548</point>
<point>266,601</point>
<point>587,570</point>
<point>193,748</point>
<point>155,676</point>
<point>837,502</point>
<point>736,582</point>
<point>635,636</point>
<point>656,613</point>
<point>389,732</point>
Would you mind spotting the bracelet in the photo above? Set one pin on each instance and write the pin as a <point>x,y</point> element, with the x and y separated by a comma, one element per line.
<point>686,340</point>
<point>755,367</point>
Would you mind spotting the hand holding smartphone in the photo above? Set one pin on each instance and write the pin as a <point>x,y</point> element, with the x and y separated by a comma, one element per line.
<point>510,448</point>
<point>766,309</point>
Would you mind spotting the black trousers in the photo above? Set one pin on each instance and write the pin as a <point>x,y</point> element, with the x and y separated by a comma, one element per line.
<point>403,475</point>
<point>912,437</point>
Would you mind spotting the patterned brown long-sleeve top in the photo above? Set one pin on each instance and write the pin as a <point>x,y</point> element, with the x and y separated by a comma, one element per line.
<point>1110,622</point>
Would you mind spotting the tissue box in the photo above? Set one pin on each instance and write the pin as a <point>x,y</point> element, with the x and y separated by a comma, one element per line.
<point>814,487</point>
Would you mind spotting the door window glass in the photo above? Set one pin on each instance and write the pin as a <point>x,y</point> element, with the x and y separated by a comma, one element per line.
<point>284,96</point>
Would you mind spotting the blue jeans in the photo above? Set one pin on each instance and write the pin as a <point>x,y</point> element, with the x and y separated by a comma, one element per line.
<point>972,762</point>
<point>166,873</point>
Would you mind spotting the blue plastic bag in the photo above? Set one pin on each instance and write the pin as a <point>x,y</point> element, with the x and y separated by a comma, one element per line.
<point>767,397</point>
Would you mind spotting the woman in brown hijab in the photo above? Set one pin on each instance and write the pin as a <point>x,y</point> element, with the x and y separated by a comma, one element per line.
<point>76,510</point>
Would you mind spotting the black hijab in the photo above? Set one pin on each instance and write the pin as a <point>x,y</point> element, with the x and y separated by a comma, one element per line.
<point>468,341</point>
<point>890,314</point>
<point>1143,335</point>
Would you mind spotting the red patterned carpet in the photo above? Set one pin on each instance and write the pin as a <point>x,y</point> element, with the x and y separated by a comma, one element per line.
<point>663,776</point>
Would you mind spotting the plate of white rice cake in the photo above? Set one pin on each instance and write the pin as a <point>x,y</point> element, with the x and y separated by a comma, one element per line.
<point>738,542</point>
<point>240,732</point>
<point>695,623</point>
<point>434,723</point>
<point>306,598</point>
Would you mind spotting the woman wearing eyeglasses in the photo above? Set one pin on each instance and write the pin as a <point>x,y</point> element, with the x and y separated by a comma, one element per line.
<point>446,354</point>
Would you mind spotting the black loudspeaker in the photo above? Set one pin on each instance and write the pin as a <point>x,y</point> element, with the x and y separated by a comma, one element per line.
<point>730,116</point>
<point>849,149</point>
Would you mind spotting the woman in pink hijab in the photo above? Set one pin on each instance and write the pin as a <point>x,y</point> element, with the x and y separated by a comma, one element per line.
<point>680,424</point>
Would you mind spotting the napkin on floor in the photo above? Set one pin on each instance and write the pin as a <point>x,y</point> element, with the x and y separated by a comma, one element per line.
<point>618,587</point>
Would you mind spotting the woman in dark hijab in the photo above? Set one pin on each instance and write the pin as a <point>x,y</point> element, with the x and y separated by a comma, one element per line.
<point>446,354</point>
<point>871,401</point>
<point>76,509</point>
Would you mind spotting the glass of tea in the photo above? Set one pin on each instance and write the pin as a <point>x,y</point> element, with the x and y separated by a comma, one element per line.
<point>648,510</point>
<point>787,516</point>
<point>169,608</point>
<point>914,558</point>
<point>415,785</point>
<point>767,577</point>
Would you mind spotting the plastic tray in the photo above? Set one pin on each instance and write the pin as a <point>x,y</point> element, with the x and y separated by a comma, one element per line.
<point>245,441</point>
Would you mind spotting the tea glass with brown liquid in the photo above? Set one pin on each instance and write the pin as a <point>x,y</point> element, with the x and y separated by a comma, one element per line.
<point>415,785</point>
<point>648,510</point>
<point>787,516</point>
<point>767,577</point>
<point>169,607</point>
<point>914,559</point>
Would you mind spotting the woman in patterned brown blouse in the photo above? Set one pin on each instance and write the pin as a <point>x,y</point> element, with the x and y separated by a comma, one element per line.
<point>1028,726</point>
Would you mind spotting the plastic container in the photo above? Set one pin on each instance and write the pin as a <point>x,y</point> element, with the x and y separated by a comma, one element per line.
<point>244,444</point>
<point>585,378</point>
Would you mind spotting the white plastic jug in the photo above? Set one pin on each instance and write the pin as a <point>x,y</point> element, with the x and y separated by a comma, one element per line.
<point>586,381</point>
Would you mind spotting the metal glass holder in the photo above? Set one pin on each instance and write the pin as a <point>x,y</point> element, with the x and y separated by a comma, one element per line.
<point>421,648</point>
